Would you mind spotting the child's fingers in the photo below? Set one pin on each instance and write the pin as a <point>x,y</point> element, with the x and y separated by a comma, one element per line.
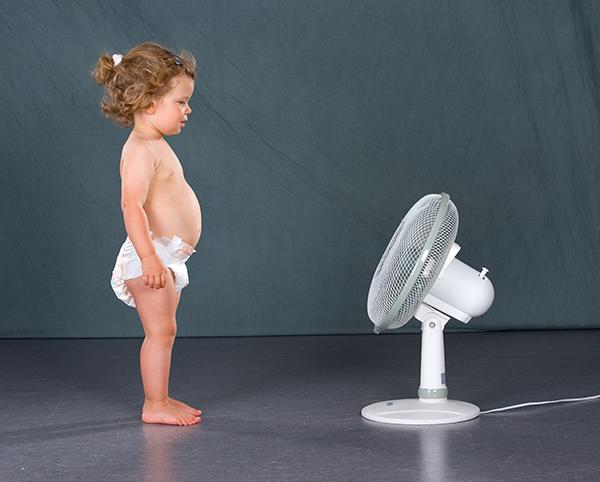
<point>156,281</point>
<point>159,281</point>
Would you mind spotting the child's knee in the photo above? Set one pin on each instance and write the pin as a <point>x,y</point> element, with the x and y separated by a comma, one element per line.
<point>168,330</point>
<point>164,334</point>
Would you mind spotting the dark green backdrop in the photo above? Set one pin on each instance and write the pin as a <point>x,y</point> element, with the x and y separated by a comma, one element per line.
<point>315,127</point>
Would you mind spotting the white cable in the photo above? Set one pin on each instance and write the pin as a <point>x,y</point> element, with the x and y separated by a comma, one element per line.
<point>592,397</point>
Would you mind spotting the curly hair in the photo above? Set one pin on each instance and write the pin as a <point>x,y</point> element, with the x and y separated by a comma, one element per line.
<point>142,76</point>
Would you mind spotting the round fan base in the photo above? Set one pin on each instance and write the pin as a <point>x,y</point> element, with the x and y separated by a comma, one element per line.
<point>414,411</point>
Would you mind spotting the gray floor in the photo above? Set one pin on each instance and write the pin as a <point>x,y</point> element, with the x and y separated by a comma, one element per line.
<point>288,408</point>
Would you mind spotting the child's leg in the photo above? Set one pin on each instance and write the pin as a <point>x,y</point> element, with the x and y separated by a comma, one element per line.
<point>157,309</point>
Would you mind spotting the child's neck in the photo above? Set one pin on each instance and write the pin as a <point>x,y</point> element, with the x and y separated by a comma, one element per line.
<point>146,132</point>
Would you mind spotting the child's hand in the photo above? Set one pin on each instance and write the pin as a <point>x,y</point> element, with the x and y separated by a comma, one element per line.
<point>155,271</point>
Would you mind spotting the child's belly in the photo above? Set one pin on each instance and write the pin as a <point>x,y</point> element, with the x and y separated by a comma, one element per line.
<point>175,211</point>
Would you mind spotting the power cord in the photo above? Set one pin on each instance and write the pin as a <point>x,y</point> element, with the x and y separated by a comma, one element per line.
<point>512,407</point>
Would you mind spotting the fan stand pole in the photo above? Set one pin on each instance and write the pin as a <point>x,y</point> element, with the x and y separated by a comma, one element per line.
<point>433,363</point>
<point>432,407</point>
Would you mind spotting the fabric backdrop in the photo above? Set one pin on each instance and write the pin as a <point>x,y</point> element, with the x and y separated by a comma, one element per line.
<point>316,125</point>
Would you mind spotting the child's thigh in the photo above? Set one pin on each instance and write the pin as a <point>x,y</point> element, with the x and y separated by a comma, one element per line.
<point>157,307</point>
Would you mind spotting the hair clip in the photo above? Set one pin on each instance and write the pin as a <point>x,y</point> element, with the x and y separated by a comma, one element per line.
<point>177,60</point>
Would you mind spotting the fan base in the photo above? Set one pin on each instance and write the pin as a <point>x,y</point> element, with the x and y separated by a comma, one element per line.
<point>414,411</point>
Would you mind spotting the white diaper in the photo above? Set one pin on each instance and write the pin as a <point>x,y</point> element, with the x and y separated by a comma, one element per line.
<point>174,253</point>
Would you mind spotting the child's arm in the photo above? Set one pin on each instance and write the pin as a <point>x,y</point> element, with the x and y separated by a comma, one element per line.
<point>136,174</point>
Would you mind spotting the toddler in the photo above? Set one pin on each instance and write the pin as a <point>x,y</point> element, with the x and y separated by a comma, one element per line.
<point>148,90</point>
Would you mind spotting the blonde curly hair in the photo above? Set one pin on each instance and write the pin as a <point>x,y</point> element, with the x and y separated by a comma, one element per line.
<point>142,76</point>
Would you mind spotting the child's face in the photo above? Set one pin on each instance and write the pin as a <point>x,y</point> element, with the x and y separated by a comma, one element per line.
<point>172,109</point>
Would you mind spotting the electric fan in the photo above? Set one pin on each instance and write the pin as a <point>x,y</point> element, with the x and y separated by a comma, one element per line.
<point>419,275</point>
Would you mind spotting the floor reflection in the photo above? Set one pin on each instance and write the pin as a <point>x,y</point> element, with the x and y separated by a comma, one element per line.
<point>161,458</point>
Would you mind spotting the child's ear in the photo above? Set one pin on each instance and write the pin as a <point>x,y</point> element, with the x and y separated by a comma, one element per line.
<point>151,109</point>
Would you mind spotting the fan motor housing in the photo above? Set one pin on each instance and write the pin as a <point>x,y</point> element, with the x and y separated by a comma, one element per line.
<point>461,292</point>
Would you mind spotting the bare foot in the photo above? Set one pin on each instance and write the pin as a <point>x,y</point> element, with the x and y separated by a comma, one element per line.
<point>167,413</point>
<point>186,407</point>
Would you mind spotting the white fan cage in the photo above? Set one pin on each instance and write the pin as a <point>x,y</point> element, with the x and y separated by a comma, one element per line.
<point>412,261</point>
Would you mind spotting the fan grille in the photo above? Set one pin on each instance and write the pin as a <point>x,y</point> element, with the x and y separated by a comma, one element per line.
<point>406,263</point>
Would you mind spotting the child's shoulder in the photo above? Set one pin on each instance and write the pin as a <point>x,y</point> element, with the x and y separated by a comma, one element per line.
<point>137,150</point>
